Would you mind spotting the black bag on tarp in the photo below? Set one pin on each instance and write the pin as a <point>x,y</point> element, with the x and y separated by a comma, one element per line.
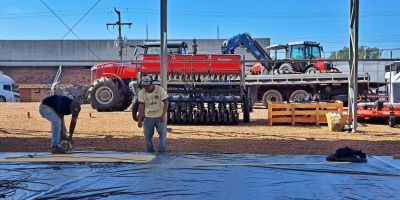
<point>347,154</point>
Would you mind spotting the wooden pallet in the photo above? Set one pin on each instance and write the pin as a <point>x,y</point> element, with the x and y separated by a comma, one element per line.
<point>293,113</point>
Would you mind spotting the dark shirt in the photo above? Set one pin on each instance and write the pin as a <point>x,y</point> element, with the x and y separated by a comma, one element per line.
<point>61,104</point>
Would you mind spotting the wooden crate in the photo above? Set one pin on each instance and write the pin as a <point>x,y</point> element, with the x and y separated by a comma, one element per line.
<point>293,113</point>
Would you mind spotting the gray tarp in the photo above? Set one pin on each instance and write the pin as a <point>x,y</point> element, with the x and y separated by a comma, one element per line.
<point>395,91</point>
<point>201,176</point>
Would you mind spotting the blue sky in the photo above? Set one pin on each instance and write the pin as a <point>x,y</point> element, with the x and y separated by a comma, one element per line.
<point>325,21</point>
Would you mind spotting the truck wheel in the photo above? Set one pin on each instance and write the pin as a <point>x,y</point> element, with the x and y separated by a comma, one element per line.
<point>286,68</point>
<point>2,99</point>
<point>298,96</point>
<point>271,96</point>
<point>311,70</point>
<point>246,109</point>
<point>106,95</point>
<point>392,121</point>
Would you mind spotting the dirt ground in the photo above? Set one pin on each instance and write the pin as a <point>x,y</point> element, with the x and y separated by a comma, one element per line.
<point>23,129</point>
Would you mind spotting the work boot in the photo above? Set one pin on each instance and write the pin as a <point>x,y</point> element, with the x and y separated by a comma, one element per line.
<point>57,150</point>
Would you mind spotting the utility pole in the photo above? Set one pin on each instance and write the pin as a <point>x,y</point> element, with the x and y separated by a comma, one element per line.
<point>353,55</point>
<point>119,38</point>
<point>163,37</point>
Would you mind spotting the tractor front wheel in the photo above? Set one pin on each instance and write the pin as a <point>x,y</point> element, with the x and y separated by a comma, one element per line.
<point>286,68</point>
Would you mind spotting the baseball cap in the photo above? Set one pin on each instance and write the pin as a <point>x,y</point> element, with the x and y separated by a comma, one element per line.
<point>146,81</point>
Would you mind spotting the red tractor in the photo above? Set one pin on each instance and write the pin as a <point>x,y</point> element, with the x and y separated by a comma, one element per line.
<point>199,86</point>
<point>303,50</point>
<point>110,81</point>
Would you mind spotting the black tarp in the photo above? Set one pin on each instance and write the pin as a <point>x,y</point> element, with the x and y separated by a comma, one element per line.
<point>204,176</point>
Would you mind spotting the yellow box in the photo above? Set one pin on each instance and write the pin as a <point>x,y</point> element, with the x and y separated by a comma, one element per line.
<point>335,124</point>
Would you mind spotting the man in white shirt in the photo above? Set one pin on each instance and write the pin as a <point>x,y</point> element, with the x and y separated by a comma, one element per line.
<point>153,106</point>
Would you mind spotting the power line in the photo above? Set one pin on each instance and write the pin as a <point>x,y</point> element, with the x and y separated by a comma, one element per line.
<point>219,13</point>
<point>81,18</point>
<point>62,21</point>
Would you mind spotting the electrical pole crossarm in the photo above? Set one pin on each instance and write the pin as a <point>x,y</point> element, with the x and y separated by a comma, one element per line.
<point>119,24</point>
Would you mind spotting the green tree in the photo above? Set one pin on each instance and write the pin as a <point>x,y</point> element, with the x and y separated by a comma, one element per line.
<point>364,52</point>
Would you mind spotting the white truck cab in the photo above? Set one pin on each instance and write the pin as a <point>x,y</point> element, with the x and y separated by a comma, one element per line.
<point>8,89</point>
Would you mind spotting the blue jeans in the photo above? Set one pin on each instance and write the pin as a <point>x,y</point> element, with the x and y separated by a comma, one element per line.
<point>149,124</point>
<point>51,115</point>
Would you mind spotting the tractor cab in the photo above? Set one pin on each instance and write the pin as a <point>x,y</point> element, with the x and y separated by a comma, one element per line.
<point>173,48</point>
<point>303,50</point>
<point>298,50</point>
<point>306,50</point>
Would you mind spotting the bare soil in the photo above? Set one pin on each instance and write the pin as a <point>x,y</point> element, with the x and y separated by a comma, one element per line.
<point>23,129</point>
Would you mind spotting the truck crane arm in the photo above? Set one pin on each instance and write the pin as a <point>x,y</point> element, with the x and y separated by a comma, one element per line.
<point>245,40</point>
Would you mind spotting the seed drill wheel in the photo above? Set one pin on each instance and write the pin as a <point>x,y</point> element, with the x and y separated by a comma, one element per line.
<point>226,116</point>
<point>246,109</point>
<point>252,100</point>
<point>392,121</point>
<point>135,109</point>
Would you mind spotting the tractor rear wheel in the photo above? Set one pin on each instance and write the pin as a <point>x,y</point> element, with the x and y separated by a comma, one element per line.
<point>107,95</point>
<point>127,100</point>
<point>286,68</point>
<point>271,96</point>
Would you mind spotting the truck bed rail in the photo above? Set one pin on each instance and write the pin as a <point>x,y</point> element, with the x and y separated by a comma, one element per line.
<point>319,78</point>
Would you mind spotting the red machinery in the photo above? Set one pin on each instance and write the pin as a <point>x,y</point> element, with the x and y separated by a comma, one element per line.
<point>193,64</point>
<point>379,110</point>
<point>110,92</point>
<point>199,86</point>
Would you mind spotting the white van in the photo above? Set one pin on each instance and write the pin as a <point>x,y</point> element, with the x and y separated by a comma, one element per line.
<point>8,89</point>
